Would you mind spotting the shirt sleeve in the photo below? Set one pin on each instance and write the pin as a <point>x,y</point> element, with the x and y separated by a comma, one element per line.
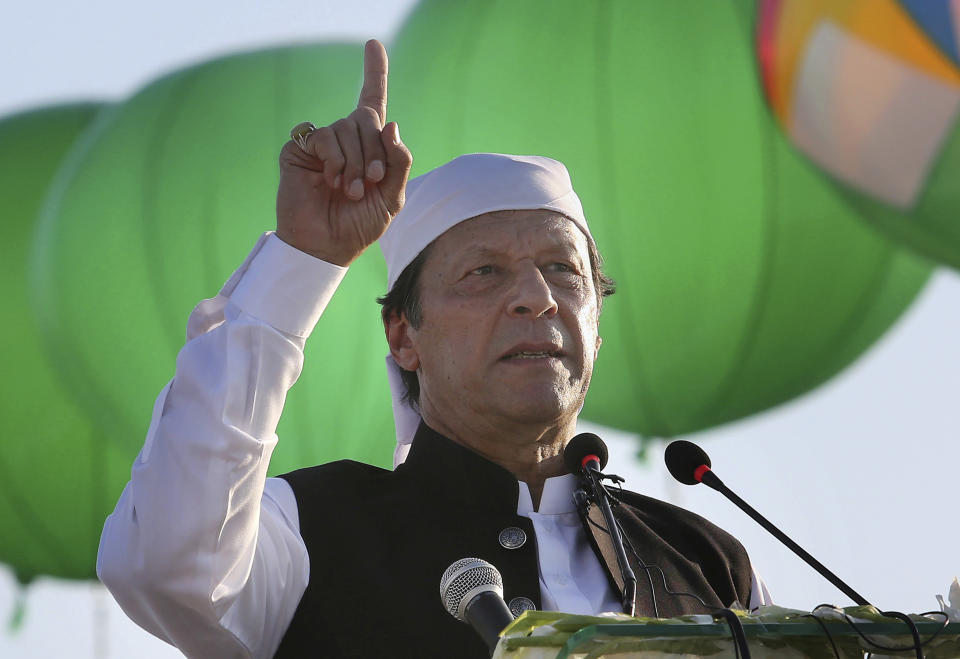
<point>202,549</point>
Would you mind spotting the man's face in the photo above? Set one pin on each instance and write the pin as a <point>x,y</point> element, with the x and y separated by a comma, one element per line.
<point>509,322</point>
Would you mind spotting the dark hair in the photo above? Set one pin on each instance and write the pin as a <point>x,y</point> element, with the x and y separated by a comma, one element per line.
<point>404,299</point>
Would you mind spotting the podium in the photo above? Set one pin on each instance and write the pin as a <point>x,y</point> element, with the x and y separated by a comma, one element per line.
<point>772,632</point>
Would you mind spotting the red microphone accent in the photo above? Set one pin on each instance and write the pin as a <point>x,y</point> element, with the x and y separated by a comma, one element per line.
<point>699,472</point>
<point>589,458</point>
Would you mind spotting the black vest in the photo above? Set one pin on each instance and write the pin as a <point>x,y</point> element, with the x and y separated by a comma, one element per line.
<point>380,540</point>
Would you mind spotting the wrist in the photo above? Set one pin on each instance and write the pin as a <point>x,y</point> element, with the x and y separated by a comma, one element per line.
<point>328,253</point>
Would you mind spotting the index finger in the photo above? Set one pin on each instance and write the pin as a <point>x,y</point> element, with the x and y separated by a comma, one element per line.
<point>374,92</point>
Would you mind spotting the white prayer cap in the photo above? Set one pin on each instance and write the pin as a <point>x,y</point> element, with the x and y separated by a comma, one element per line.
<point>469,186</point>
<point>464,188</point>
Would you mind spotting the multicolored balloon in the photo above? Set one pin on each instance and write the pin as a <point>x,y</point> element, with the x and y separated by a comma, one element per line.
<point>58,479</point>
<point>869,90</point>
<point>745,278</point>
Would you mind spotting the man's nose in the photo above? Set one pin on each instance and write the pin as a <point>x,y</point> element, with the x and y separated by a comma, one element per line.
<point>531,295</point>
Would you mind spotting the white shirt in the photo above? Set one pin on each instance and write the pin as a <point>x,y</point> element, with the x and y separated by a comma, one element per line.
<point>202,549</point>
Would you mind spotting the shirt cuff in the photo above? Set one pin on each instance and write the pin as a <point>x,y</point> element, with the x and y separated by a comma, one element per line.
<point>286,288</point>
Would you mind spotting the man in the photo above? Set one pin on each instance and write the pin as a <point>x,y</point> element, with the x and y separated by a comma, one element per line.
<point>492,325</point>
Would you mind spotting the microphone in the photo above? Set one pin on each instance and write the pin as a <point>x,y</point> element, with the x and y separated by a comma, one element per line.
<point>471,590</point>
<point>689,464</point>
<point>586,455</point>
<point>583,450</point>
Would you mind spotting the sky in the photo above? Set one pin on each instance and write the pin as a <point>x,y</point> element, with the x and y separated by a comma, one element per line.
<point>860,472</point>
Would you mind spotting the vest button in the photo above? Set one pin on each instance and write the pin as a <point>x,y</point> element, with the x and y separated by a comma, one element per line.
<point>512,537</point>
<point>520,604</point>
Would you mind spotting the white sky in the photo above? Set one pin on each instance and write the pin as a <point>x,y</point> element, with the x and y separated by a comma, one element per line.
<point>860,472</point>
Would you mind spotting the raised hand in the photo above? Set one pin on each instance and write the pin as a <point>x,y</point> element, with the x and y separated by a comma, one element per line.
<point>339,192</point>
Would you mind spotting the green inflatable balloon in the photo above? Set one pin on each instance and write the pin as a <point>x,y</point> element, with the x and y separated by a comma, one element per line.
<point>58,478</point>
<point>161,206</point>
<point>744,279</point>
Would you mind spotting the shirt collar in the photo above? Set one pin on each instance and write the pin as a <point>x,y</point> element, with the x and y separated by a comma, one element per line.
<point>556,499</point>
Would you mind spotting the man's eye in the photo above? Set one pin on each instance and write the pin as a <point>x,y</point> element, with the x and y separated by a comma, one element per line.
<point>561,267</point>
<point>482,270</point>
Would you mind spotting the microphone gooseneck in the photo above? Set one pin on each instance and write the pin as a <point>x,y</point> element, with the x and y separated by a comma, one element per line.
<point>471,590</point>
<point>689,464</point>
<point>585,455</point>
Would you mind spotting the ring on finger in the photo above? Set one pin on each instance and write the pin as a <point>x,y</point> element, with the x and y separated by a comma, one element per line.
<point>300,133</point>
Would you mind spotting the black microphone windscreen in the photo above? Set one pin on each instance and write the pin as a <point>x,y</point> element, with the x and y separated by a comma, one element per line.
<point>683,458</point>
<point>579,447</point>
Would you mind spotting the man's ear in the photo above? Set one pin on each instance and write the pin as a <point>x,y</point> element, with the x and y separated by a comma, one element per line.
<point>399,331</point>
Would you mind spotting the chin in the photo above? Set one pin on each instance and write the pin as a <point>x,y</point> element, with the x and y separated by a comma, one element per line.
<point>527,408</point>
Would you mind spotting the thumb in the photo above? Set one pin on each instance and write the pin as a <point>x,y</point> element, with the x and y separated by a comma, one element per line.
<point>399,161</point>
